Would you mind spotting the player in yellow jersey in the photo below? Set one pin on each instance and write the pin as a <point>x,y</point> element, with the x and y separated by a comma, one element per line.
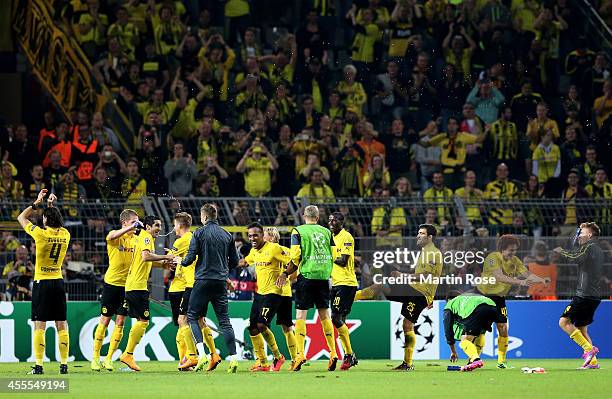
<point>180,291</point>
<point>344,284</point>
<point>120,248</point>
<point>269,260</point>
<point>285,309</point>
<point>508,270</point>
<point>48,294</point>
<point>420,295</point>
<point>136,287</point>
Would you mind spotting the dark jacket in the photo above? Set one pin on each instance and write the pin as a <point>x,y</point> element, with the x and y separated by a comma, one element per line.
<point>589,257</point>
<point>215,250</point>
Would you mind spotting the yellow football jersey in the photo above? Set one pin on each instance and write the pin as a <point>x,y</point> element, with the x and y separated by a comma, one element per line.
<point>344,244</point>
<point>138,276</point>
<point>51,247</point>
<point>287,287</point>
<point>183,276</point>
<point>513,267</point>
<point>429,262</point>
<point>269,261</point>
<point>120,254</point>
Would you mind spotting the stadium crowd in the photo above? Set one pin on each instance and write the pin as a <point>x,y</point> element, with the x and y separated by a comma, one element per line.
<point>481,99</point>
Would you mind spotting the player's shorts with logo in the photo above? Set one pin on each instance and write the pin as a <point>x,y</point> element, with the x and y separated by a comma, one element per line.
<point>342,298</point>
<point>481,320</point>
<point>113,299</point>
<point>500,304</point>
<point>311,293</point>
<point>138,304</point>
<point>48,300</point>
<point>581,310</point>
<point>265,307</point>
<point>413,303</point>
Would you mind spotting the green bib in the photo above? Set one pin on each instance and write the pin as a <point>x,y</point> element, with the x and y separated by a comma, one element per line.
<point>315,243</point>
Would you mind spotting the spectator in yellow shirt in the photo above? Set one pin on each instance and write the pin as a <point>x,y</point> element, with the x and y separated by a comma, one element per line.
<point>546,159</point>
<point>125,31</point>
<point>257,164</point>
<point>352,92</point>
<point>92,29</point>
<point>388,222</point>
<point>168,30</point>
<point>456,52</point>
<point>316,190</point>
<point>603,105</point>
<point>538,126</point>
<point>377,174</point>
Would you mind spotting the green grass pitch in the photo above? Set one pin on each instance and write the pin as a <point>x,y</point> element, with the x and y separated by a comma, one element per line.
<point>370,379</point>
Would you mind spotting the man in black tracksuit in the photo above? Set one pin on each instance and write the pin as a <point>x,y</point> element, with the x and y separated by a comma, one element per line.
<point>579,314</point>
<point>216,256</point>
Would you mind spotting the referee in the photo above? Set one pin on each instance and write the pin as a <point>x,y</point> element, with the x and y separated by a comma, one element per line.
<point>216,256</point>
<point>311,253</point>
<point>579,314</point>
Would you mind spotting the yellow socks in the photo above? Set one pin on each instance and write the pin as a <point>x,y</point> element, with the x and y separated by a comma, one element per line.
<point>136,333</point>
<point>190,346</point>
<point>39,346</point>
<point>343,333</point>
<point>581,340</point>
<point>259,349</point>
<point>300,336</point>
<point>98,340</point>
<point>209,340</point>
<point>365,294</point>
<point>116,338</point>
<point>502,349</point>
<point>291,343</point>
<point>470,349</point>
<point>480,343</point>
<point>64,345</point>
<point>271,341</point>
<point>328,330</point>
<point>409,344</point>
<point>180,344</point>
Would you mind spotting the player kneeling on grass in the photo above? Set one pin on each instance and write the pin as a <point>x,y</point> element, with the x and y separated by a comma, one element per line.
<point>48,295</point>
<point>579,314</point>
<point>467,318</point>
<point>269,260</point>
<point>136,284</point>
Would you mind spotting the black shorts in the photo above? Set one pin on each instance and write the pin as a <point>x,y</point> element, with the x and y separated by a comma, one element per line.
<point>500,304</point>
<point>581,311</point>
<point>113,299</point>
<point>309,293</point>
<point>264,308</point>
<point>138,304</point>
<point>412,304</point>
<point>480,320</point>
<point>175,304</point>
<point>49,300</point>
<point>342,298</point>
<point>284,314</point>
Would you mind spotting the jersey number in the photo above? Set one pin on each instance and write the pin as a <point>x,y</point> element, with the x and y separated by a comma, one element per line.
<point>410,307</point>
<point>504,311</point>
<point>55,252</point>
<point>337,301</point>
<point>264,311</point>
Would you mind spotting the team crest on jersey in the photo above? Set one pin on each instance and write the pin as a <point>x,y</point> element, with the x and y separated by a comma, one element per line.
<point>147,241</point>
<point>146,313</point>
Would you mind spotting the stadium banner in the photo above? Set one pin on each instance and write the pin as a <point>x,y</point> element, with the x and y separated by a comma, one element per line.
<point>376,332</point>
<point>57,62</point>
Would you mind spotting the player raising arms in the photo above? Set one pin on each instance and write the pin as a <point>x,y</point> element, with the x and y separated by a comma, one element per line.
<point>311,253</point>
<point>269,260</point>
<point>579,314</point>
<point>120,248</point>
<point>48,294</point>
<point>180,291</point>
<point>136,287</point>
<point>344,284</point>
<point>418,296</point>
<point>508,270</point>
<point>285,309</point>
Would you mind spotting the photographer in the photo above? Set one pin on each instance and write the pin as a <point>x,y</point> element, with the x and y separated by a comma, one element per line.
<point>113,164</point>
<point>19,273</point>
<point>180,171</point>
